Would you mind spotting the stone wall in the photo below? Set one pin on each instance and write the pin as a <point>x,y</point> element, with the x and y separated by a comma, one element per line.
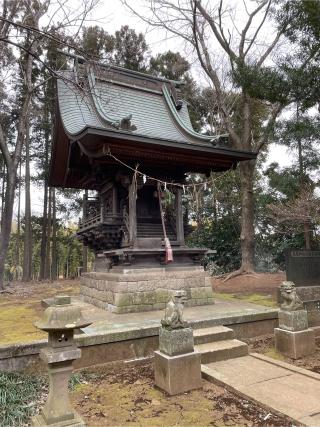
<point>145,289</point>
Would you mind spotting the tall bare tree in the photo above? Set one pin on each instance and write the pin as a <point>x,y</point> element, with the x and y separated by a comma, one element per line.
<point>19,28</point>
<point>223,49</point>
<point>32,14</point>
<point>303,212</point>
<point>27,246</point>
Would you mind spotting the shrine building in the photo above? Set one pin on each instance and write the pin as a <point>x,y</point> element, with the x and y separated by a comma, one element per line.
<point>128,136</point>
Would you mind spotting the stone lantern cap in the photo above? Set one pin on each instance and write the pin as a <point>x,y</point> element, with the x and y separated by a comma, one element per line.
<point>62,315</point>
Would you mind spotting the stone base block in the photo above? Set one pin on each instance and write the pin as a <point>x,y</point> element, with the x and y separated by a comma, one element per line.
<point>145,289</point>
<point>295,344</point>
<point>76,421</point>
<point>176,341</point>
<point>293,320</point>
<point>177,374</point>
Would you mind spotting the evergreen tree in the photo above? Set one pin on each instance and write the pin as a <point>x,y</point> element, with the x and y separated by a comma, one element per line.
<point>130,49</point>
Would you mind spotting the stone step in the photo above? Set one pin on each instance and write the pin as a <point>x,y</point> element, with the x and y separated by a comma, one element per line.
<point>147,227</point>
<point>159,232</point>
<point>213,334</point>
<point>279,386</point>
<point>221,350</point>
<point>155,235</point>
<point>152,230</point>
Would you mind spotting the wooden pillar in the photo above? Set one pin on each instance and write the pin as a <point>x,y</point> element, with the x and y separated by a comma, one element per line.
<point>133,211</point>
<point>84,205</point>
<point>101,207</point>
<point>179,216</point>
<point>114,200</point>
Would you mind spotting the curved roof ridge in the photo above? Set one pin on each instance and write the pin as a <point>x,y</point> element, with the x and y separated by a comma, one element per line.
<point>115,122</point>
<point>78,112</point>
<point>182,124</point>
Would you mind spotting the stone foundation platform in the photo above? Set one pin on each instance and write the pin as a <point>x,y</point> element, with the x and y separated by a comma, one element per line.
<point>136,290</point>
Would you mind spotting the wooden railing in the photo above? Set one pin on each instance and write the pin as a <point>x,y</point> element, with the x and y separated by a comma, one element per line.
<point>90,222</point>
<point>98,219</point>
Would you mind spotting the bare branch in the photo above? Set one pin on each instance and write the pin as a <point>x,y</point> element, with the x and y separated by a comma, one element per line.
<point>220,38</point>
<point>159,24</point>
<point>247,26</point>
<point>269,49</point>
<point>45,34</point>
<point>207,66</point>
<point>31,53</point>
<point>253,39</point>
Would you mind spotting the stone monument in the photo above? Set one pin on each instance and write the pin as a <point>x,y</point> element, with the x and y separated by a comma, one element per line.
<point>60,321</point>
<point>293,338</point>
<point>177,365</point>
<point>303,268</point>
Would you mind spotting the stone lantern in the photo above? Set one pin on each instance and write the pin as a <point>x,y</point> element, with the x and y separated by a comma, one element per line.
<point>60,320</point>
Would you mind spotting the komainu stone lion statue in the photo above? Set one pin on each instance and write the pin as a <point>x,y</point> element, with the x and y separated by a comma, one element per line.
<point>173,315</point>
<point>290,299</point>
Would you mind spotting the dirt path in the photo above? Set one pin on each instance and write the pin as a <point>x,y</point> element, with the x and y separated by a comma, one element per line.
<point>127,396</point>
<point>265,345</point>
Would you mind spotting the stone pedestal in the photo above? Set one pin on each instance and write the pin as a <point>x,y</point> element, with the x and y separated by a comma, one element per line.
<point>145,289</point>
<point>177,374</point>
<point>293,320</point>
<point>293,338</point>
<point>39,421</point>
<point>295,344</point>
<point>176,341</point>
<point>177,366</point>
<point>58,411</point>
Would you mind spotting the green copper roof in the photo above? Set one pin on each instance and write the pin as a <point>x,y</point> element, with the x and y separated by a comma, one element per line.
<point>103,103</point>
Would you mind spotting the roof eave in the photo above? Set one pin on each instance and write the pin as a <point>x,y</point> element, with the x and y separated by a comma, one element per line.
<point>198,146</point>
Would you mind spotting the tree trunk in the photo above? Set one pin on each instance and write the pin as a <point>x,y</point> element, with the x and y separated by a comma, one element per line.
<point>67,262</point>
<point>84,248</point>
<point>18,220</point>
<point>84,258</point>
<point>3,190</point>
<point>54,237</point>
<point>307,235</point>
<point>12,167</point>
<point>247,215</point>
<point>133,211</point>
<point>44,227</point>
<point>7,221</point>
<point>48,254</point>
<point>27,247</point>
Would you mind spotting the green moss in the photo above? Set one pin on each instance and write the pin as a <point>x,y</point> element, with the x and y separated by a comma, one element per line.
<point>266,300</point>
<point>225,296</point>
<point>274,354</point>
<point>18,311</point>
<point>17,324</point>
<point>141,404</point>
